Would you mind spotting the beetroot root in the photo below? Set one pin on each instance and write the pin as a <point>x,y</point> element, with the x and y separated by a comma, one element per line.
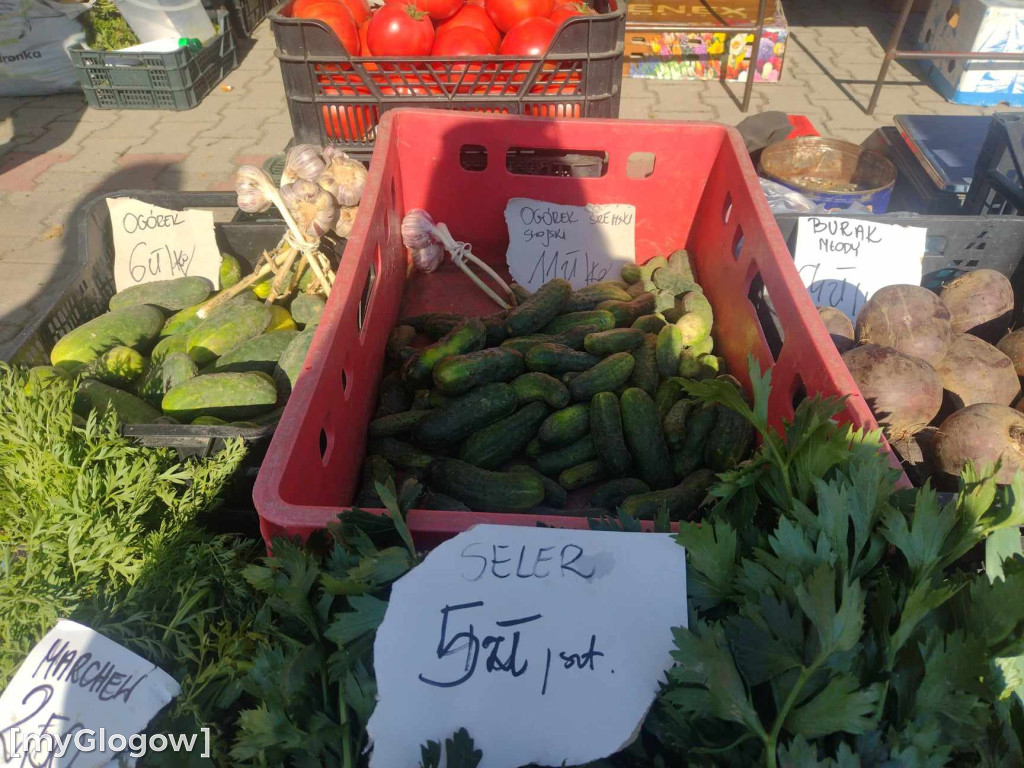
<point>904,392</point>
<point>908,318</point>
<point>973,371</point>
<point>839,326</point>
<point>1012,345</point>
<point>983,434</point>
<point>980,302</point>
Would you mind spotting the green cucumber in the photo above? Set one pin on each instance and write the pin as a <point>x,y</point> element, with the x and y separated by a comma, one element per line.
<point>434,324</point>
<point>591,295</point>
<point>395,424</point>
<point>400,453</point>
<point>135,327</point>
<point>496,332</point>
<point>670,347</point>
<point>649,323</point>
<point>587,473</point>
<point>520,292</point>
<point>700,424</point>
<point>607,376</point>
<point>230,271</point>
<point>259,353</point>
<point>465,415</point>
<point>610,495</point>
<point>626,312</point>
<point>645,365</point>
<point>698,304</point>
<point>306,309</point>
<point>710,366</point>
<point>603,320</point>
<point>483,489</point>
<point>292,361</point>
<point>42,376</point>
<point>392,396</point>
<point>117,367</point>
<point>680,501</point>
<point>729,442</point>
<point>674,423</point>
<point>679,261</point>
<point>536,386</point>
<point>554,462</point>
<point>280,320</point>
<point>558,359</point>
<point>565,426</point>
<point>182,321</point>
<point>540,309</point>
<point>228,396</point>
<point>703,347</point>
<point>523,344</point>
<point>161,377</point>
<point>102,397</point>
<point>468,336</point>
<point>554,494</point>
<point>649,267</point>
<point>670,391</point>
<point>689,366</point>
<point>436,398</point>
<point>208,421</point>
<point>168,295</point>
<point>672,282</point>
<point>225,329</point>
<point>615,340</point>
<point>495,444</point>
<point>630,273</point>
<point>400,339</point>
<point>641,426</point>
<point>693,328</point>
<point>460,373</point>
<point>606,429</point>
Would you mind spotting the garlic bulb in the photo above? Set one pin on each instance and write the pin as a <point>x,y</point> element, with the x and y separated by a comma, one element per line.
<point>417,229</point>
<point>346,218</point>
<point>303,161</point>
<point>429,257</point>
<point>251,186</point>
<point>314,210</point>
<point>344,177</point>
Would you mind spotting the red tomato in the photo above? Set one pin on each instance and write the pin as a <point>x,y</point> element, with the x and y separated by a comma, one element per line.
<point>360,10</point>
<point>477,3</point>
<point>461,41</point>
<point>339,19</point>
<point>507,13</point>
<point>439,10</point>
<point>364,46</point>
<point>530,37</point>
<point>568,11</point>
<point>476,17</point>
<point>400,31</point>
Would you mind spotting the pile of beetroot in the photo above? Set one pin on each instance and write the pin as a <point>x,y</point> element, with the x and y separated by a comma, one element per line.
<point>941,373</point>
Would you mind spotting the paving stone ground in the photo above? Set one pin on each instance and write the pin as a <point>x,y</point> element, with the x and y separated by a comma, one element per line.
<point>55,153</point>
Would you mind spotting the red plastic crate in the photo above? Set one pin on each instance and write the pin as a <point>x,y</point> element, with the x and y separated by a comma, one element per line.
<point>702,194</point>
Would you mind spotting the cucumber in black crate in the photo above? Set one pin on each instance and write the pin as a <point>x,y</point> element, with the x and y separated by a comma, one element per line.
<point>490,421</point>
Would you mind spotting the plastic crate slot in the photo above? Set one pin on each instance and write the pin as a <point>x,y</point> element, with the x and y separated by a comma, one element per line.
<point>798,391</point>
<point>367,295</point>
<point>726,208</point>
<point>971,263</point>
<point>326,441</point>
<point>574,163</point>
<point>737,242</point>
<point>472,157</point>
<point>344,382</point>
<point>640,165</point>
<point>761,302</point>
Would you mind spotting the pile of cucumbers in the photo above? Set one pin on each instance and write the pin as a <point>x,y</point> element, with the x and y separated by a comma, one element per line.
<point>569,390</point>
<point>152,359</point>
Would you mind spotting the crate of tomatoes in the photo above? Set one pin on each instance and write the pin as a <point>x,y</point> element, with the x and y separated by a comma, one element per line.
<point>344,65</point>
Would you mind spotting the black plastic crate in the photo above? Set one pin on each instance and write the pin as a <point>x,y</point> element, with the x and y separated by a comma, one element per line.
<point>177,80</point>
<point>997,187</point>
<point>91,289</point>
<point>953,245</point>
<point>337,99</point>
<point>246,15</point>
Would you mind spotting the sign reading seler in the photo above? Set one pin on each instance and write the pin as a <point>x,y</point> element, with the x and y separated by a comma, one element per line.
<point>582,244</point>
<point>75,689</point>
<point>843,261</point>
<point>546,645</point>
<point>153,243</point>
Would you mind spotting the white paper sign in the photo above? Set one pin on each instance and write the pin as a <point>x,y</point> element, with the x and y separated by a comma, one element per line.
<point>547,645</point>
<point>842,262</point>
<point>582,244</point>
<point>74,681</point>
<point>153,243</point>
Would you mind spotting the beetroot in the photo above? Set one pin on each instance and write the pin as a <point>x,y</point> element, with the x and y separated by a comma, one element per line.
<point>908,318</point>
<point>839,328</point>
<point>973,371</point>
<point>1012,345</point>
<point>903,392</point>
<point>915,454</point>
<point>981,433</point>
<point>980,302</point>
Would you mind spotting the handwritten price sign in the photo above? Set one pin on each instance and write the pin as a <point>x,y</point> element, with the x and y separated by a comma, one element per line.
<point>153,243</point>
<point>77,682</point>
<point>842,262</point>
<point>581,244</point>
<point>546,645</point>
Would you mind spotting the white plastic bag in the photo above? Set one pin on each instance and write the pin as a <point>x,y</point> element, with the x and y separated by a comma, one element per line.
<point>34,38</point>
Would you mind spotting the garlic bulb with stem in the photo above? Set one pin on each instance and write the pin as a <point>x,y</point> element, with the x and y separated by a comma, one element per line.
<point>252,185</point>
<point>303,161</point>
<point>343,177</point>
<point>429,257</point>
<point>346,218</point>
<point>315,210</point>
<point>418,229</point>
